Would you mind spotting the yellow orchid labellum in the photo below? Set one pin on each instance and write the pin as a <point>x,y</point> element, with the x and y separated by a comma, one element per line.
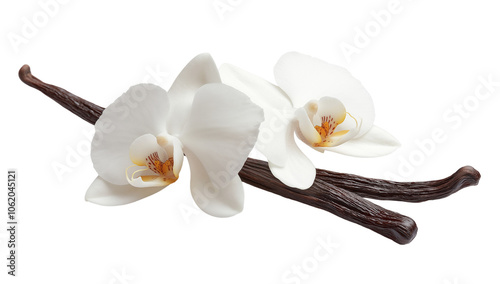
<point>327,115</point>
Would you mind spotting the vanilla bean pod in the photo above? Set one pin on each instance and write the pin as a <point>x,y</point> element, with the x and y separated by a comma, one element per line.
<point>402,191</point>
<point>331,198</point>
<point>84,109</point>
<point>340,194</point>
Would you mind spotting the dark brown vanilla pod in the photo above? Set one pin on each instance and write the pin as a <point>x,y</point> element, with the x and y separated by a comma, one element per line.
<point>402,191</point>
<point>336,200</point>
<point>84,109</point>
<point>340,194</point>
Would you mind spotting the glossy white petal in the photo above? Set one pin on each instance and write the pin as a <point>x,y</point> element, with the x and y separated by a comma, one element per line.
<point>104,193</point>
<point>377,142</point>
<point>142,109</point>
<point>223,198</point>
<point>306,131</point>
<point>304,78</point>
<point>298,171</point>
<point>277,108</point>
<point>222,129</point>
<point>272,140</point>
<point>260,91</point>
<point>199,71</point>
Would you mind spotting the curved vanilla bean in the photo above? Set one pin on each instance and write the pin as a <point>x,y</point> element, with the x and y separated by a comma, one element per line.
<point>330,197</point>
<point>402,191</point>
<point>84,109</point>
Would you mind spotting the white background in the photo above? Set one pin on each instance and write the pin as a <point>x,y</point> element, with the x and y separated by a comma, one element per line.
<point>421,66</point>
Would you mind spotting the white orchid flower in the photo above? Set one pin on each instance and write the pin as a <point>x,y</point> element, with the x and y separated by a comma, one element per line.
<point>141,139</point>
<point>323,104</point>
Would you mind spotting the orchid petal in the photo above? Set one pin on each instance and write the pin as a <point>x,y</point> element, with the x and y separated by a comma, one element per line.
<point>277,110</point>
<point>376,142</point>
<point>260,91</point>
<point>224,198</point>
<point>222,129</point>
<point>142,109</point>
<point>303,78</point>
<point>272,140</point>
<point>298,171</point>
<point>308,134</point>
<point>199,71</point>
<point>104,193</point>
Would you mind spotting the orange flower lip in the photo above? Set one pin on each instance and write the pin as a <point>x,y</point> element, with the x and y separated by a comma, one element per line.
<point>319,120</point>
<point>154,160</point>
<point>330,137</point>
<point>163,169</point>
